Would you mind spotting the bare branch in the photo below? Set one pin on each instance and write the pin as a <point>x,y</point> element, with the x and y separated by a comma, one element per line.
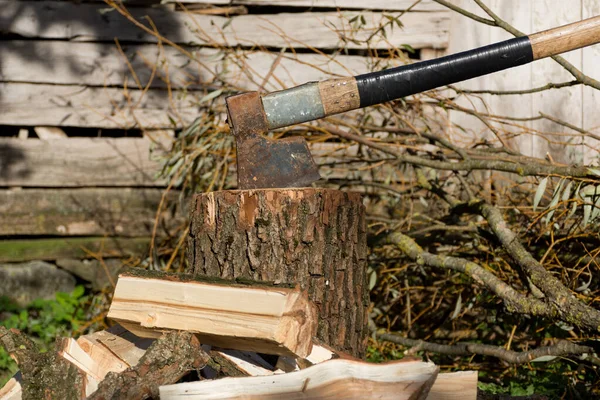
<point>577,74</point>
<point>518,92</point>
<point>566,306</point>
<point>515,301</point>
<point>560,349</point>
<point>523,169</point>
<point>466,13</point>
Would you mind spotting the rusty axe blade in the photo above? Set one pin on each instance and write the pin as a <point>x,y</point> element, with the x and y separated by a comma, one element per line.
<point>264,162</point>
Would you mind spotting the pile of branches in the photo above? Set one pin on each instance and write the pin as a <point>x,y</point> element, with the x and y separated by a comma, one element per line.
<point>482,257</point>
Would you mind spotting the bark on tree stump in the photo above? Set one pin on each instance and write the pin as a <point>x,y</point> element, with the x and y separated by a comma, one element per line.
<point>312,237</point>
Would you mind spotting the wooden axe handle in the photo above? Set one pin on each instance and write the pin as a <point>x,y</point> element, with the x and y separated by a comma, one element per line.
<point>316,100</point>
<point>565,38</point>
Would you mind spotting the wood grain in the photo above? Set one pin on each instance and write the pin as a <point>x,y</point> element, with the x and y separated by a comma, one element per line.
<point>124,212</point>
<point>566,38</point>
<point>100,65</point>
<point>114,350</point>
<point>397,5</point>
<point>272,320</point>
<point>312,237</point>
<point>87,22</point>
<point>454,386</point>
<point>339,95</point>
<point>112,108</point>
<point>18,250</point>
<point>565,104</point>
<point>591,96</point>
<point>78,162</point>
<point>335,379</point>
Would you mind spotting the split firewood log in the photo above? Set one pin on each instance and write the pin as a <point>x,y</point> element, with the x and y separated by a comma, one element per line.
<point>334,379</point>
<point>259,317</point>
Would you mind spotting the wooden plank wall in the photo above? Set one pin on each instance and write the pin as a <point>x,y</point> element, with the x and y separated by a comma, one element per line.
<point>69,65</point>
<point>576,105</point>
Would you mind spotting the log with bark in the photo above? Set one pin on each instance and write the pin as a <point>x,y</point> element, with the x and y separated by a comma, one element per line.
<point>259,317</point>
<point>312,237</point>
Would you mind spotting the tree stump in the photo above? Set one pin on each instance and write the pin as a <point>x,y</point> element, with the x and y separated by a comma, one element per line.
<point>312,237</point>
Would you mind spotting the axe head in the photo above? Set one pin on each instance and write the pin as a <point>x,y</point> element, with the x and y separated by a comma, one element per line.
<point>263,162</point>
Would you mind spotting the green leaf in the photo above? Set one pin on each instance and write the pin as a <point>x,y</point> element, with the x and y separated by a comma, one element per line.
<point>539,193</point>
<point>573,209</point>
<point>78,292</point>
<point>544,359</point>
<point>554,201</point>
<point>595,210</point>
<point>227,23</point>
<point>408,48</point>
<point>211,95</point>
<point>587,212</point>
<point>567,193</point>
<point>457,308</point>
<point>372,280</point>
<point>594,171</point>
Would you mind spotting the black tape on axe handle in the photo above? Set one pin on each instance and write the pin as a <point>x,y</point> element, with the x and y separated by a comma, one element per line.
<point>394,83</point>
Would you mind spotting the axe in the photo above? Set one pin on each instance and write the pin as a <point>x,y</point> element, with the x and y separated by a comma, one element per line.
<point>266,163</point>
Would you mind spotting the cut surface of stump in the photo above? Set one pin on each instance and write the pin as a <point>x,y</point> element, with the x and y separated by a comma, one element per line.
<point>312,237</point>
<point>254,317</point>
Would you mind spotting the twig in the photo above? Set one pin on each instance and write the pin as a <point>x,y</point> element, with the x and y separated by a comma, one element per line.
<point>577,74</point>
<point>560,349</point>
<point>565,305</point>
<point>523,169</point>
<point>466,13</point>
<point>515,301</point>
<point>517,92</point>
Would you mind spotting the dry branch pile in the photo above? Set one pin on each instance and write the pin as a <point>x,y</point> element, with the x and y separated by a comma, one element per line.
<point>258,337</point>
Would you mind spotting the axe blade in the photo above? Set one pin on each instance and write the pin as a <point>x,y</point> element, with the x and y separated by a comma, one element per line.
<point>262,162</point>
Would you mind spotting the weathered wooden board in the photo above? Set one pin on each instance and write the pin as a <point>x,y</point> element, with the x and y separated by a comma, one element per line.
<point>77,162</point>
<point>100,65</point>
<point>55,105</point>
<point>84,212</point>
<point>591,96</point>
<point>396,5</point>
<point>82,247</point>
<point>89,22</point>
<point>566,103</point>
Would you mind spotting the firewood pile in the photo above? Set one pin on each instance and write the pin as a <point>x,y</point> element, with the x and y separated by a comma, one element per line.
<point>180,337</point>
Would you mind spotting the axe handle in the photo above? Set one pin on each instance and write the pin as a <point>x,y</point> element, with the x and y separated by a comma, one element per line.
<point>316,100</point>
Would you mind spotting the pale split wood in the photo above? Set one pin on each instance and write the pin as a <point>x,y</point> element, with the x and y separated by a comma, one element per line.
<point>114,350</point>
<point>70,351</point>
<point>76,162</point>
<point>12,390</point>
<point>248,363</point>
<point>454,386</point>
<point>87,22</point>
<point>330,380</point>
<point>269,320</point>
<point>565,38</point>
<point>49,132</point>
